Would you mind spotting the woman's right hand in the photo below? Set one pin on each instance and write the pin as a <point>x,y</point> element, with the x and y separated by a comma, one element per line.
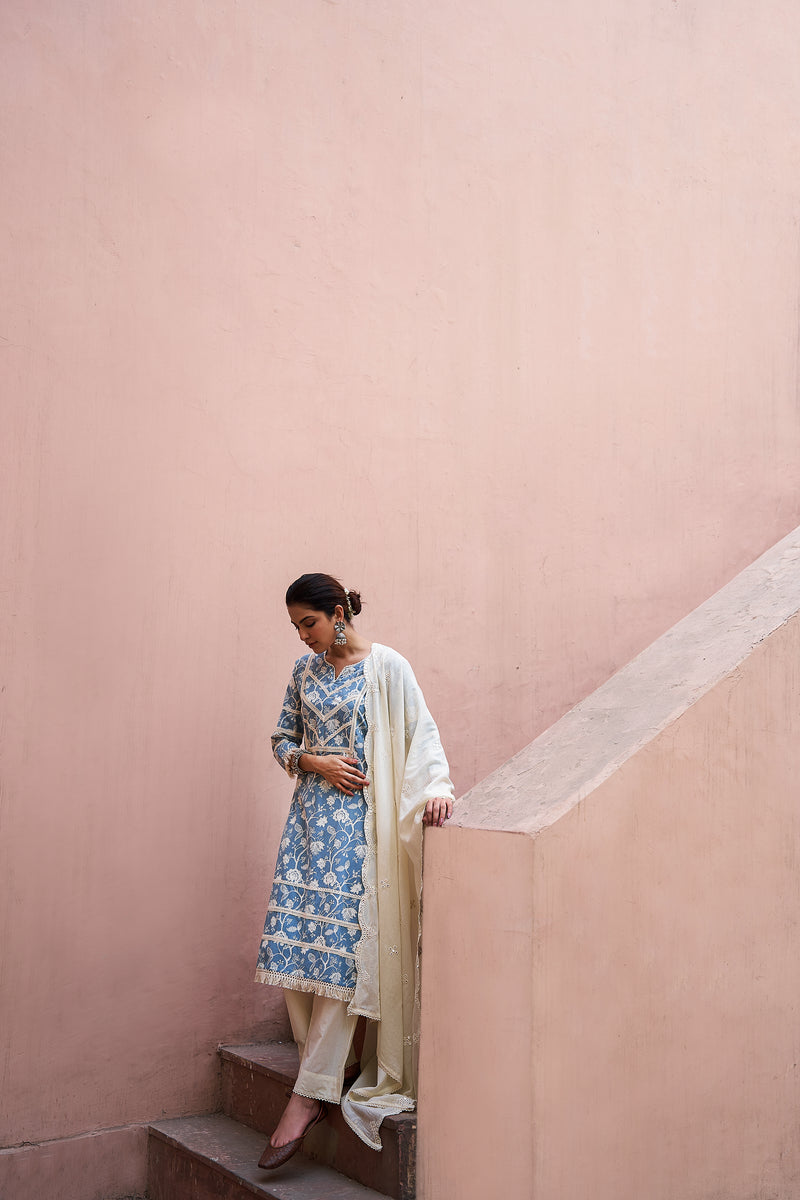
<point>344,773</point>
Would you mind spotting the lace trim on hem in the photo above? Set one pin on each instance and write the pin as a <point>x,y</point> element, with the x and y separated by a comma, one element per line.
<point>296,983</point>
<point>363,1012</point>
<point>309,1095</point>
<point>367,1127</point>
<point>369,1136</point>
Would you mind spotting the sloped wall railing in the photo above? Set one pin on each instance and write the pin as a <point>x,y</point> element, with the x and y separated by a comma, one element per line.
<point>611,975</point>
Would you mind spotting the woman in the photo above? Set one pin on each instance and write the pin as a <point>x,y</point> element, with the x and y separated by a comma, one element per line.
<point>342,930</point>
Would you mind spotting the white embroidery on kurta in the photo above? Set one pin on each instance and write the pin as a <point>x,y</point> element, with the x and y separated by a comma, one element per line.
<point>312,933</point>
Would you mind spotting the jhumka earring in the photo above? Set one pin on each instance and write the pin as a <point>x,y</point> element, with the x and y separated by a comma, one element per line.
<point>340,639</point>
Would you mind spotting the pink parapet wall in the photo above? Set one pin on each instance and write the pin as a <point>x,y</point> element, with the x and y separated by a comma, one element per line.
<point>611,931</point>
<point>95,1166</point>
<point>489,309</point>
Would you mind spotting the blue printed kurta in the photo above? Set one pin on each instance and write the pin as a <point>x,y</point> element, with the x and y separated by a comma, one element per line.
<point>312,930</point>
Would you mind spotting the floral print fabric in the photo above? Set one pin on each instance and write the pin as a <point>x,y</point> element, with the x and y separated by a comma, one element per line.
<point>311,932</point>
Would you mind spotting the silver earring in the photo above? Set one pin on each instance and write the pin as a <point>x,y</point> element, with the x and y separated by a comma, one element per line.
<point>340,639</point>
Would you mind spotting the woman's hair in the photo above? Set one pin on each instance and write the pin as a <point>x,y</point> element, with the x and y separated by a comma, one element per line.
<point>323,593</point>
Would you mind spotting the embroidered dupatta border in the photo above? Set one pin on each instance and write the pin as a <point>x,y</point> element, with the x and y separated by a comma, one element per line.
<point>413,771</point>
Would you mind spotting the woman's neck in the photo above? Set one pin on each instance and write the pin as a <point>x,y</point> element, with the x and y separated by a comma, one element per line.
<point>357,647</point>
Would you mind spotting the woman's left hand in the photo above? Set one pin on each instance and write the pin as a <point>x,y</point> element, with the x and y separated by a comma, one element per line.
<point>437,811</point>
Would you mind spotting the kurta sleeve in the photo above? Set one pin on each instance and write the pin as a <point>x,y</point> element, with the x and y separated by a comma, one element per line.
<point>287,740</point>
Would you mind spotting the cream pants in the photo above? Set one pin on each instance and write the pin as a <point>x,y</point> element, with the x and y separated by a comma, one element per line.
<point>324,1035</point>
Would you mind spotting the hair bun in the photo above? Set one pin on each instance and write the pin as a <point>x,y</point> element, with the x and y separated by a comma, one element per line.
<point>355,602</point>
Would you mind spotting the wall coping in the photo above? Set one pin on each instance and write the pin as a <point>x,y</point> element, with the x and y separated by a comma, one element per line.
<point>574,756</point>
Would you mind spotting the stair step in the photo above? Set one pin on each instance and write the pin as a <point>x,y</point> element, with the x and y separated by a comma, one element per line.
<point>254,1083</point>
<point>214,1158</point>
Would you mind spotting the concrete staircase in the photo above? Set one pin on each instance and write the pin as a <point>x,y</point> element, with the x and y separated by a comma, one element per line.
<point>197,1158</point>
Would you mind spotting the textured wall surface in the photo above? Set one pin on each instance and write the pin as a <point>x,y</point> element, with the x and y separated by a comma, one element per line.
<point>492,311</point>
<point>91,1166</point>
<point>636,941</point>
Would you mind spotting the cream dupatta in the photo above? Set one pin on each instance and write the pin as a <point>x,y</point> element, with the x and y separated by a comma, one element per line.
<point>406,767</point>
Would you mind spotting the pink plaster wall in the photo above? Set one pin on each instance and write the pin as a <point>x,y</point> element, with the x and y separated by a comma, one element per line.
<point>491,311</point>
<point>636,945</point>
<point>666,1043</point>
<point>93,1166</point>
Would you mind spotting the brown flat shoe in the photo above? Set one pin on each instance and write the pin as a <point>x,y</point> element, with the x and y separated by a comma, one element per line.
<point>276,1156</point>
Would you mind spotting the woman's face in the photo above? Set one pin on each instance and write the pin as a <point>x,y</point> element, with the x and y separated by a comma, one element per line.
<point>315,628</point>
